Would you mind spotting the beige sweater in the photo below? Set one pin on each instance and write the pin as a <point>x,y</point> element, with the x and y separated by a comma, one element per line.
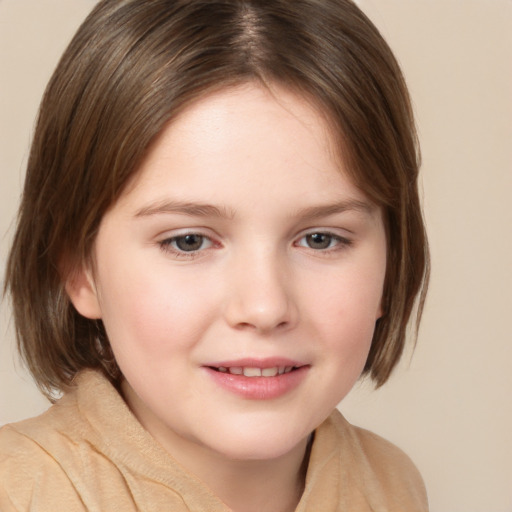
<point>88,452</point>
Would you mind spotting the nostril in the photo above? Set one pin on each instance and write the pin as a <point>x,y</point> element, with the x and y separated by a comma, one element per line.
<point>251,311</point>
<point>244,325</point>
<point>248,326</point>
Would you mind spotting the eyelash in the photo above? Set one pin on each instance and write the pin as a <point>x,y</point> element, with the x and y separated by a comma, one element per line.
<point>340,242</point>
<point>167,245</point>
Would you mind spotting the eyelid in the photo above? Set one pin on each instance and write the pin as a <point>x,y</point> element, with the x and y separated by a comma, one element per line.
<point>165,243</point>
<point>343,241</point>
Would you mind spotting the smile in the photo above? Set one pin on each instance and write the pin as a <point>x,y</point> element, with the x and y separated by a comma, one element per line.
<point>248,371</point>
<point>258,380</point>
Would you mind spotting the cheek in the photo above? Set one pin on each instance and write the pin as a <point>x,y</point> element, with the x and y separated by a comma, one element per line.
<point>145,310</point>
<point>349,300</point>
<point>346,312</point>
<point>347,336</point>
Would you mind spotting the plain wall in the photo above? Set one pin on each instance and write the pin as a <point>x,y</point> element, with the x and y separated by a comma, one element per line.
<point>449,407</point>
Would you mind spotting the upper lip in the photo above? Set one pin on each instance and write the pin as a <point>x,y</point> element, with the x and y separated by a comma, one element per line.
<point>249,362</point>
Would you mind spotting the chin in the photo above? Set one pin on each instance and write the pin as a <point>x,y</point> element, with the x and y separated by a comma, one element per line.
<point>259,450</point>
<point>263,442</point>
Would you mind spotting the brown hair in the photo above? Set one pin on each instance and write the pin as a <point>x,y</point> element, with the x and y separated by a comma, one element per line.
<point>131,67</point>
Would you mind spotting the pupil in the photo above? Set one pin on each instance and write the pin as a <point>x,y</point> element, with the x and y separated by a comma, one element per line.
<point>189,242</point>
<point>318,240</point>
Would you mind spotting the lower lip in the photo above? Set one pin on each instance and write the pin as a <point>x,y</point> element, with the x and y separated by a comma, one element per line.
<point>259,388</point>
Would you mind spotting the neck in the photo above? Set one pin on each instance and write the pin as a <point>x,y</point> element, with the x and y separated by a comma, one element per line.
<point>274,485</point>
<point>257,486</point>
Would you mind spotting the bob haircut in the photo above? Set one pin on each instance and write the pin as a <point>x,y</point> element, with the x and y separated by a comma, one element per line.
<point>131,68</point>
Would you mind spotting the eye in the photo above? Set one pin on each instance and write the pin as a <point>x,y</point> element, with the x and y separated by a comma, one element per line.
<point>322,241</point>
<point>188,243</point>
<point>319,240</point>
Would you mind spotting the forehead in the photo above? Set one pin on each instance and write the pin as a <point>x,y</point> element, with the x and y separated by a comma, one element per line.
<point>249,135</point>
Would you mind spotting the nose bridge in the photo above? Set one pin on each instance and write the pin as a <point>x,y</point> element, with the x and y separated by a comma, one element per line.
<point>260,295</point>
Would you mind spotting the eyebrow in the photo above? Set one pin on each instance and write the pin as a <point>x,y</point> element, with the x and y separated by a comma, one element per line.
<point>185,208</point>
<point>316,212</point>
<point>209,210</point>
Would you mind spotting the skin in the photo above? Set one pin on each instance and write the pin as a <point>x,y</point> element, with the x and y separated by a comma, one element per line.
<point>255,285</point>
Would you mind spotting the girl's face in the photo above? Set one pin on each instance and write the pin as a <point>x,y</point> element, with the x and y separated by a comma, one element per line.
<point>239,278</point>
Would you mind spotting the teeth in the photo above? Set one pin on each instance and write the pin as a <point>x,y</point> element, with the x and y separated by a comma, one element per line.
<point>252,372</point>
<point>256,372</point>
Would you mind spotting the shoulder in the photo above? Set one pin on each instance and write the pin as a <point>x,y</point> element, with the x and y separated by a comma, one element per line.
<point>30,478</point>
<point>43,459</point>
<point>389,461</point>
<point>384,467</point>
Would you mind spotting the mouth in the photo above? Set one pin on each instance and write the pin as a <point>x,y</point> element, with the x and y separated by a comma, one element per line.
<point>253,371</point>
<point>254,379</point>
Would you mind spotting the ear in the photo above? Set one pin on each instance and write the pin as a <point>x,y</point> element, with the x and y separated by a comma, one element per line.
<point>82,292</point>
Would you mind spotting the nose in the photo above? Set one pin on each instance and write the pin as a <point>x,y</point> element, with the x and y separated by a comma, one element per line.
<point>260,295</point>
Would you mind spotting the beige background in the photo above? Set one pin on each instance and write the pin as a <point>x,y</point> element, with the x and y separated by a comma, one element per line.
<point>450,408</point>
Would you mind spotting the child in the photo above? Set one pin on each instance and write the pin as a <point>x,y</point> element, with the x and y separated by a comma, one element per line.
<point>220,232</point>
